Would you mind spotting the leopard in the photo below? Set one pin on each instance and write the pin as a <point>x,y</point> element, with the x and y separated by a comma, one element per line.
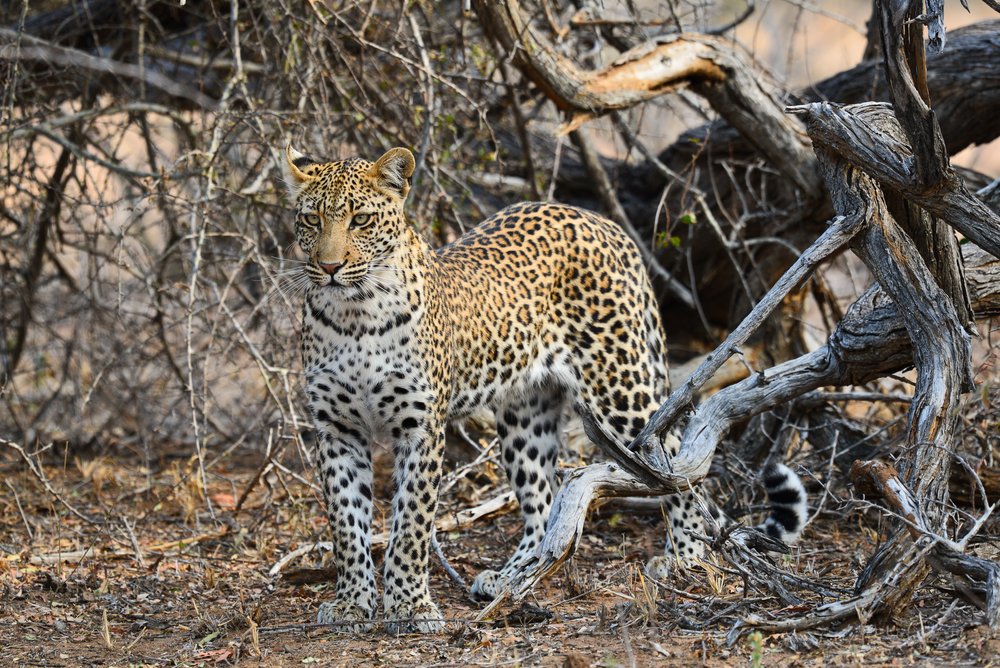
<point>539,310</point>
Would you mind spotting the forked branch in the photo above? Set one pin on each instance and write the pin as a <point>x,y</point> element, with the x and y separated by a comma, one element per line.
<point>979,576</point>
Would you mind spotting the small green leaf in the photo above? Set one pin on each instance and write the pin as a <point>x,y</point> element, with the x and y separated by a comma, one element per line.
<point>756,642</point>
<point>209,638</point>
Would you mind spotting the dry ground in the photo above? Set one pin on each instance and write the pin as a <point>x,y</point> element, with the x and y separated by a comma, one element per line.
<point>157,581</point>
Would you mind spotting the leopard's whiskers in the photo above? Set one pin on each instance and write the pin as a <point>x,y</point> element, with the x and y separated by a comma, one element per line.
<point>288,284</point>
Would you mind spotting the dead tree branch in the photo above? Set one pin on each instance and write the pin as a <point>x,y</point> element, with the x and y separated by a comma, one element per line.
<point>25,47</point>
<point>693,464</point>
<point>709,64</point>
<point>866,135</point>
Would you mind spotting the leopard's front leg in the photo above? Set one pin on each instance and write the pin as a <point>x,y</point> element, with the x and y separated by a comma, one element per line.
<point>346,475</point>
<point>419,448</point>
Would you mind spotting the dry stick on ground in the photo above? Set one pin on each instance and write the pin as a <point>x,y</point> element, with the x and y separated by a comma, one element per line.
<point>39,472</point>
<point>879,480</point>
<point>79,555</point>
<point>491,508</point>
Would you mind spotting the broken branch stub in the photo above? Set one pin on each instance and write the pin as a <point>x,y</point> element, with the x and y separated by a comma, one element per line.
<point>906,74</point>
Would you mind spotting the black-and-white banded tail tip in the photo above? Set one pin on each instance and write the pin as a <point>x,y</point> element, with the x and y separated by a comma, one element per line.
<point>787,499</point>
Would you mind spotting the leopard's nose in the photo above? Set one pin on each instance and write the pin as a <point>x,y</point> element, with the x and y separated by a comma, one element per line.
<point>330,267</point>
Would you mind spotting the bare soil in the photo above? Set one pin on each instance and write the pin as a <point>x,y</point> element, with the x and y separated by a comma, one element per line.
<point>149,577</point>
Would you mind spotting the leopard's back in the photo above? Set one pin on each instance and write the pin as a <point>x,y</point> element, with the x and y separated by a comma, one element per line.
<point>545,293</point>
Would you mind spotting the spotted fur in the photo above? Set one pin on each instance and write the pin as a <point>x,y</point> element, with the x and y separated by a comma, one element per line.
<point>540,306</point>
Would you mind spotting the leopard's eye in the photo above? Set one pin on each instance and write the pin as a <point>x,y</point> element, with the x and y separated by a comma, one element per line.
<point>310,219</point>
<point>361,220</point>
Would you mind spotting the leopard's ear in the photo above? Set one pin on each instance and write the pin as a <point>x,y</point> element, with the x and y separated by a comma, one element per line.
<point>293,165</point>
<point>391,173</point>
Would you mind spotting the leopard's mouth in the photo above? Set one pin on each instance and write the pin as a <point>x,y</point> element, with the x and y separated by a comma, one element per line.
<point>321,279</point>
<point>349,288</point>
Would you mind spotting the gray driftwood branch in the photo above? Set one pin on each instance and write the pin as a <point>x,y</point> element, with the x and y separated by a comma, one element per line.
<point>866,136</point>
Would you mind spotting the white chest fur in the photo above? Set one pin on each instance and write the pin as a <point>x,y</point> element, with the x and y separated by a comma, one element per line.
<point>360,365</point>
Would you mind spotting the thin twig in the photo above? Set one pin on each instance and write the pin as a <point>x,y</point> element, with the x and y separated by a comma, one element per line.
<point>39,473</point>
<point>17,502</point>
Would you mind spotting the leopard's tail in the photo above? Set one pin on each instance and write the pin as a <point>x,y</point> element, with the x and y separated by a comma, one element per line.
<point>787,498</point>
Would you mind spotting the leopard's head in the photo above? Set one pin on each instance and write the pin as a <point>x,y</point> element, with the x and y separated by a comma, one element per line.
<point>348,213</point>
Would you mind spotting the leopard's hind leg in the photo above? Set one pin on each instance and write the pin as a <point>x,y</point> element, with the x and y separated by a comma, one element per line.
<point>623,380</point>
<point>529,428</point>
<point>624,419</point>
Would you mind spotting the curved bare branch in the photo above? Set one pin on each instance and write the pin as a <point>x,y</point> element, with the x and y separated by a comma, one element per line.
<point>708,64</point>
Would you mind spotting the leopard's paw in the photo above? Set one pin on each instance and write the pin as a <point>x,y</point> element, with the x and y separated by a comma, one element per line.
<point>662,567</point>
<point>345,617</point>
<point>421,617</point>
<point>488,585</point>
